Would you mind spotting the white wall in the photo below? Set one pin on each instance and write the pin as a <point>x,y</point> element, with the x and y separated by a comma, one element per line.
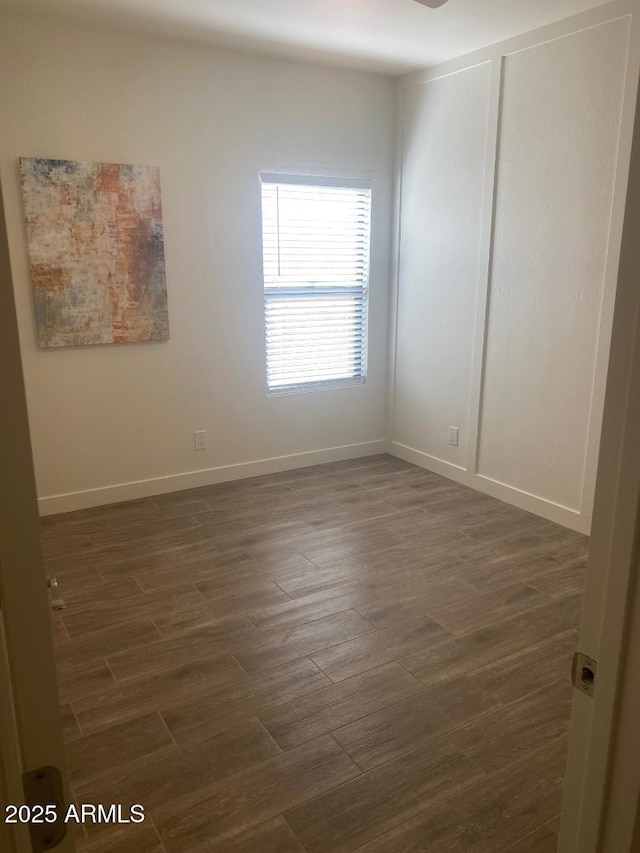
<point>504,296</point>
<point>561,108</point>
<point>104,417</point>
<point>444,138</point>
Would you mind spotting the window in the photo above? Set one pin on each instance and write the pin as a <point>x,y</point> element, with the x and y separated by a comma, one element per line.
<point>315,234</point>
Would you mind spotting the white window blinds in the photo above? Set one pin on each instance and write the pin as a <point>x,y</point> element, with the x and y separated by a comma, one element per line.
<point>316,236</point>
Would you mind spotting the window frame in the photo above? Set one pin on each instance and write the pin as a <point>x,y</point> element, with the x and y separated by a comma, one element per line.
<point>304,290</point>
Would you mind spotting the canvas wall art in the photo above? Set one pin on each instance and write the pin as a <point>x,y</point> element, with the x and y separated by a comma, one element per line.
<point>96,252</point>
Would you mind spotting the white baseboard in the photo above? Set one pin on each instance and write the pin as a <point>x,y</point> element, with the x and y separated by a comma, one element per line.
<point>509,494</point>
<point>52,504</point>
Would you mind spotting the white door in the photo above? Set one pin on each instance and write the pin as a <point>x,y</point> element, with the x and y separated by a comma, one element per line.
<point>603,772</point>
<point>30,721</point>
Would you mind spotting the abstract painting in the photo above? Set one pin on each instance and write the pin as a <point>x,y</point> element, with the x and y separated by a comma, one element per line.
<point>96,252</point>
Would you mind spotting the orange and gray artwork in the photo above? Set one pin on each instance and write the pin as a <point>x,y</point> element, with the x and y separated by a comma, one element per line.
<point>96,252</point>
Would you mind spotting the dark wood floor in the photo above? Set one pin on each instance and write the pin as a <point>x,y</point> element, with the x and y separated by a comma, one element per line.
<point>361,656</point>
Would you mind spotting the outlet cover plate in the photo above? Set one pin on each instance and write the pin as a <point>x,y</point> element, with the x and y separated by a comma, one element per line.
<point>200,439</point>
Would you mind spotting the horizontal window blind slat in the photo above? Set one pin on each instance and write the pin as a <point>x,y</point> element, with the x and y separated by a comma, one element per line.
<point>285,309</point>
<point>282,324</point>
<point>325,286</point>
<point>303,349</point>
<point>300,291</point>
<point>330,302</point>
<point>316,370</point>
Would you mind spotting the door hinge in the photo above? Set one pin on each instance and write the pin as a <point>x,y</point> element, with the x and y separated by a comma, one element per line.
<point>43,787</point>
<point>583,673</point>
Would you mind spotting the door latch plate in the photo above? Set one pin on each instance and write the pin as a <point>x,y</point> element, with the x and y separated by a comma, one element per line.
<point>583,673</point>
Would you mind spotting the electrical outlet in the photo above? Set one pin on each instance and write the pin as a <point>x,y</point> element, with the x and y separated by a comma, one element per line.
<point>200,439</point>
<point>454,436</point>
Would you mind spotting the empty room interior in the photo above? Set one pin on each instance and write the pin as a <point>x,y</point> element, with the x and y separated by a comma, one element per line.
<point>314,303</point>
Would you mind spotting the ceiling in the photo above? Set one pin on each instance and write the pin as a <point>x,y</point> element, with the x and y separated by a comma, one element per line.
<point>390,36</point>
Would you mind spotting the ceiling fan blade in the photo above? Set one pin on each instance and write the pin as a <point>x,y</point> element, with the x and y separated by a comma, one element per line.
<point>433,4</point>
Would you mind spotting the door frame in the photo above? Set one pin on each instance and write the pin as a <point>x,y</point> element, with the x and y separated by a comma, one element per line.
<point>13,840</point>
<point>602,781</point>
<point>30,715</point>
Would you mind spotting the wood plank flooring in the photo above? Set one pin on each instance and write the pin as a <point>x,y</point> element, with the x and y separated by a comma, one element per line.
<point>360,656</point>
